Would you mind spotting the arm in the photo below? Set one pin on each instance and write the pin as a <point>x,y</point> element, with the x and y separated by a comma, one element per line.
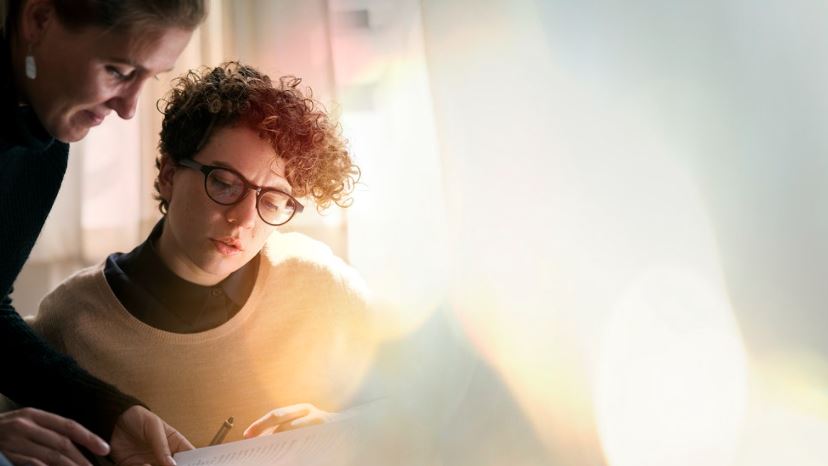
<point>33,373</point>
<point>344,332</point>
<point>31,436</point>
<point>42,377</point>
<point>54,382</point>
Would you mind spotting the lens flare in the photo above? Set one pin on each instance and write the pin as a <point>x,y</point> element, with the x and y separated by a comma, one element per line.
<point>672,382</point>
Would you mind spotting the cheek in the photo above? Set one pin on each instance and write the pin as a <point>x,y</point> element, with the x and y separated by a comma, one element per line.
<point>69,75</point>
<point>83,82</point>
<point>96,90</point>
<point>88,87</point>
<point>258,239</point>
<point>190,213</point>
<point>81,99</point>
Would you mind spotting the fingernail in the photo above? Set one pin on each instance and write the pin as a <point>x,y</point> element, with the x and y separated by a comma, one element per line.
<point>171,461</point>
<point>104,446</point>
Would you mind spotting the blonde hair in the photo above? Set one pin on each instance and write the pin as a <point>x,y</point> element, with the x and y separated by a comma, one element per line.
<point>121,15</point>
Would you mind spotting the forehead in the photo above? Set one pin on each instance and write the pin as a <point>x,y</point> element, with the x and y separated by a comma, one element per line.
<point>243,150</point>
<point>154,50</point>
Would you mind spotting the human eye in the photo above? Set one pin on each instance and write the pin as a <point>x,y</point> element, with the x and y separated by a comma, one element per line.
<point>120,73</point>
<point>272,202</point>
<point>269,205</point>
<point>222,180</point>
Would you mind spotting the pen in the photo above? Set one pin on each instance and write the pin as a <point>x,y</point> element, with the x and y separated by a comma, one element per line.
<point>225,427</point>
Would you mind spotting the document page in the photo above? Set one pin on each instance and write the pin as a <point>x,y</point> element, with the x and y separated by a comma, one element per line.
<point>320,445</point>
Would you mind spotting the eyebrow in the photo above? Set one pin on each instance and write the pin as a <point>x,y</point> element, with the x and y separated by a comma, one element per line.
<point>283,186</point>
<point>128,62</point>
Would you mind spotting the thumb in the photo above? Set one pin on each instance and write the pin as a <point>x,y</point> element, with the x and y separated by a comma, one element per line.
<point>157,438</point>
<point>177,442</point>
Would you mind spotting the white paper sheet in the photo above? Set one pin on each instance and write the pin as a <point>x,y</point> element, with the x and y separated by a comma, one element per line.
<point>325,444</point>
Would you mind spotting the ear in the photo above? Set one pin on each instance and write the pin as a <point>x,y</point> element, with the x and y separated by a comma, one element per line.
<point>37,16</point>
<point>166,174</point>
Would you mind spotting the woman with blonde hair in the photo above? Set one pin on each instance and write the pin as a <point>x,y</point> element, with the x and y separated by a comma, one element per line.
<point>67,65</point>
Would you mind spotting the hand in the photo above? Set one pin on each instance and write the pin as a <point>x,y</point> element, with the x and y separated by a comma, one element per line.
<point>32,436</point>
<point>140,437</point>
<point>287,418</point>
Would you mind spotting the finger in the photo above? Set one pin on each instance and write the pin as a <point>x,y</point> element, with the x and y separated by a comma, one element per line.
<point>299,423</point>
<point>68,428</point>
<point>28,449</point>
<point>137,460</point>
<point>46,445</point>
<point>275,418</point>
<point>23,459</point>
<point>177,441</point>
<point>156,436</point>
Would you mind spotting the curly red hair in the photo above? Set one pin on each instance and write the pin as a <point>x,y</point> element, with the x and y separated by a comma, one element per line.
<point>317,162</point>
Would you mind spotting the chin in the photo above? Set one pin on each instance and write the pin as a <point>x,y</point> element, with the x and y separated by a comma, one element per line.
<point>70,134</point>
<point>222,268</point>
<point>231,267</point>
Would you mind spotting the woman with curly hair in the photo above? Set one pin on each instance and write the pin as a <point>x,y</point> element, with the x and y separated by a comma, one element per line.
<point>217,314</point>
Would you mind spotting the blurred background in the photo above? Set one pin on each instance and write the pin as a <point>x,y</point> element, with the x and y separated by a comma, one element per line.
<point>598,226</point>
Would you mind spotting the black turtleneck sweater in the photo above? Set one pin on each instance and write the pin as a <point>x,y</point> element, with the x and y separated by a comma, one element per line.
<point>158,297</point>
<point>32,165</point>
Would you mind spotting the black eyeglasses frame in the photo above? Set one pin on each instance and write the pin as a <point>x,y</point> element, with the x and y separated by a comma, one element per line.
<point>248,186</point>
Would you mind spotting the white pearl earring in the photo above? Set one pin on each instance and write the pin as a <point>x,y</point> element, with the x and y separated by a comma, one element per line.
<point>31,66</point>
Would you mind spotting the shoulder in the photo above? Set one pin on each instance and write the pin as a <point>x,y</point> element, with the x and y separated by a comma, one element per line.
<point>80,291</point>
<point>66,306</point>
<point>21,162</point>
<point>306,260</point>
<point>284,246</point>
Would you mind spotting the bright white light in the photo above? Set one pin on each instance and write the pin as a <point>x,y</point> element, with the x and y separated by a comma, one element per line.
<point>672,387</point>
<point>787,421</point>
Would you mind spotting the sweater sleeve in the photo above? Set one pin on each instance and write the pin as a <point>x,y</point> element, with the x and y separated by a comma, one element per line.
<point>34,374</point>
<point>37,375</point>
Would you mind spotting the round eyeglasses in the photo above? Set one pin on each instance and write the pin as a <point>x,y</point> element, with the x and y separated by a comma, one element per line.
<point>226,186</point>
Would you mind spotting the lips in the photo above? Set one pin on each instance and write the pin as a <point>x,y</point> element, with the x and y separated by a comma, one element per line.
<point>93,118</point>
<point>228,246</point>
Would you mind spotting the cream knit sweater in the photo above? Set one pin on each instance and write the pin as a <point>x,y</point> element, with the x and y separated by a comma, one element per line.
<point>302,336</point>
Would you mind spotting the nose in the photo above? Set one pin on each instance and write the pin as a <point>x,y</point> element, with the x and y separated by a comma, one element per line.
<point>125,102</point>
<point>244,212</point>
